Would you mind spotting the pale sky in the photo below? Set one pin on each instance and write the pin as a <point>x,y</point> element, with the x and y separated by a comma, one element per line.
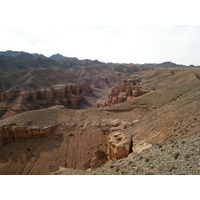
<point>47,27</point>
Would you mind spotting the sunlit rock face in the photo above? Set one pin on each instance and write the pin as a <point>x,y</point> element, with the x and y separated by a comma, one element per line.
<point>69,95</point>
<point>124,91</point>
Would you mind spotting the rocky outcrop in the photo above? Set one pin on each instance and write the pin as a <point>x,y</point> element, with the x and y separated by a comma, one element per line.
<point>69,95</point>
<point>13,133</point>
<point>140,146</point>
<point>118,146</point>
<point>63,94</point>
<point>126,90</point>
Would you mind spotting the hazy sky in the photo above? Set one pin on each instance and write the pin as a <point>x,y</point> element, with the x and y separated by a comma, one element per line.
<point>46,27</point>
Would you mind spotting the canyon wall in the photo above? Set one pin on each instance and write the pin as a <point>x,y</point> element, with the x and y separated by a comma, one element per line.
<point>14,133</point>
<point>83,145</point>
<point>69,95</point>
<point>124,91</point>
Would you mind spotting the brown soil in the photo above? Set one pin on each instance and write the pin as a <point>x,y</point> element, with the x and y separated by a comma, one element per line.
<point>164,121</point>
<point>180,157</point>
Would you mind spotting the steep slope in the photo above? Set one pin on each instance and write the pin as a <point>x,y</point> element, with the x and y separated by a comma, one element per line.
<point>177,158</point>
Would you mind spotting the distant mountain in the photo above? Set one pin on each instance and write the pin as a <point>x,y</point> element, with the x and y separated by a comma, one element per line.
<point>23,60</point>
<point>38,55</point>
<point>10,53</point>
<point>60,57</point>
<point>69,62</point>
<point>19,54</point>
<point>168,64</point>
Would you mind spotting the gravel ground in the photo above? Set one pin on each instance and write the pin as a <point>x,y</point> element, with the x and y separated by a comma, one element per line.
<point>181,157</point>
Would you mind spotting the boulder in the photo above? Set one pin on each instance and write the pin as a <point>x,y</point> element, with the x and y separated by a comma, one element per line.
<point>118,146</point>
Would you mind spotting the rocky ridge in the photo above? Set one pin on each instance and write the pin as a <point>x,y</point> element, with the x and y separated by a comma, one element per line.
<point>125,91</point>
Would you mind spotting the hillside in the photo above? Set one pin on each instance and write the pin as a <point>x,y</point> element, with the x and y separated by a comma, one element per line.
<point>33,81</point>
<point>156,133</point>
<point>177,158</point>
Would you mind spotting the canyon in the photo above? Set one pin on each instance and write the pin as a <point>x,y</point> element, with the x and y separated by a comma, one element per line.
<point>100,119</point>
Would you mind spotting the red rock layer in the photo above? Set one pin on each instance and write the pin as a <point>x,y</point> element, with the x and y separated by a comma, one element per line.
<point>69,95</point>
<point>126,90</point>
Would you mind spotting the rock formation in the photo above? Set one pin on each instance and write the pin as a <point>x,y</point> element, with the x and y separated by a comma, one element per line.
<point>126,90</point>
<point>86,145</point>
<point>13,133</point>
<point>118,146</point>
<point>69,95</point>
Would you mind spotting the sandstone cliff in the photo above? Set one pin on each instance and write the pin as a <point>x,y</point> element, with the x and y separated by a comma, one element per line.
<point>69,95</point>
<point>126,90</point>
<point>80,143</point>
<point>14,133</point>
